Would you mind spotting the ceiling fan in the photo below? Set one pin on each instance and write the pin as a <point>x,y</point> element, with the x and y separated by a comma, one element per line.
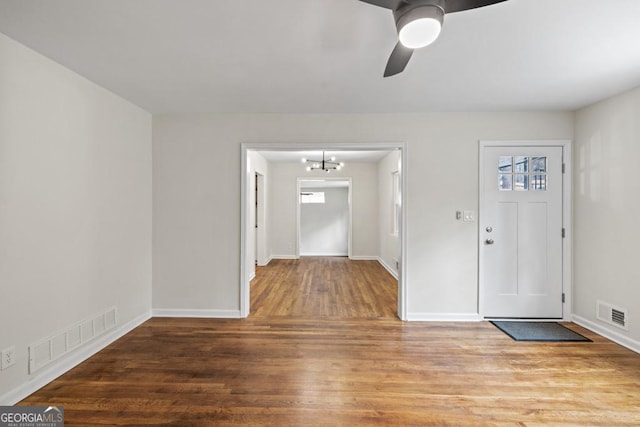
<point>419,23</point>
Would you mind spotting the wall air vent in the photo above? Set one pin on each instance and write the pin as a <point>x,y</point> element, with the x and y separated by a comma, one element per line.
<point>612,315</point>
<point>59,344</point>
<point>618,317</point>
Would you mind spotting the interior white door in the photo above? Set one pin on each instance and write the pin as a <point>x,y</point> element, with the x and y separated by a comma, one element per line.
<point>521,232</point>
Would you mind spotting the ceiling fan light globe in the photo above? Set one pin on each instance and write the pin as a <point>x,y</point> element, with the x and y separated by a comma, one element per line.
<point>419,23</point>
<point>420,33</point>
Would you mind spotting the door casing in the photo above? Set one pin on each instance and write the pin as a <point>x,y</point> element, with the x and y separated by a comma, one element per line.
<point>567,214</point>
<point>245,219</point>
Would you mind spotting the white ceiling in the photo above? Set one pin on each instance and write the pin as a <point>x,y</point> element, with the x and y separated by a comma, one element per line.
<point>324,183</point>
<point>361,156</point>
<point>327,56</point>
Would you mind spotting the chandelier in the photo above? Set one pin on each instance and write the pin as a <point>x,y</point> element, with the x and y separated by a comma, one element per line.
<point>325,165</point>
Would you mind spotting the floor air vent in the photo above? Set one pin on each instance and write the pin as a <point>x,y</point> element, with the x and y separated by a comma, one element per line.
<point>612,315</point>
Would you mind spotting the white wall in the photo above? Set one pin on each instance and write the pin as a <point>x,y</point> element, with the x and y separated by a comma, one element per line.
<point>324,227</point>
<point>606,206</point>
<point>75,204</point>
<point>197,219</point>
<point>389,251</point>
<point>364,199</point>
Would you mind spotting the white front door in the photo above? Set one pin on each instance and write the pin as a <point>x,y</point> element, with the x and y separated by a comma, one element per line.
<point>520,232</point>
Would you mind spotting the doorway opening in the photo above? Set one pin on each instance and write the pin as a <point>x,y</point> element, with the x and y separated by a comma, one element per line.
<point>259,221</point>
<point>248,150</point>
<point>324,217</point>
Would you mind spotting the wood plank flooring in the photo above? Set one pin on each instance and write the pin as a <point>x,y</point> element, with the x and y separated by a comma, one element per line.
<point>288,366</point>
<point>329,287</point>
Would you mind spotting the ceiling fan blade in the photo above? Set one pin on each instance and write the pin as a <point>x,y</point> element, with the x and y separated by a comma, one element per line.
<point>460,5</point>
<point>387,4</point>
<point>398,60</point>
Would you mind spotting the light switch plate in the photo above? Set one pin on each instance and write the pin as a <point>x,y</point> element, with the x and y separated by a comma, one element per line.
<point>469,216</point>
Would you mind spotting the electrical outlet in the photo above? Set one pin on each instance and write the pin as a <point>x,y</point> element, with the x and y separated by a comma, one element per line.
<point>8,357</point>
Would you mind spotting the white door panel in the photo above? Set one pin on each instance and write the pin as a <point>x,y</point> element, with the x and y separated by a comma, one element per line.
<point>520,232</point>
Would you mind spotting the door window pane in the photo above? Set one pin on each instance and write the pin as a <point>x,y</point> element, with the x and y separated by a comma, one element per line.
<point>539,182</point>
<point>522,182</point>
<point>522,164</point>
<point>505,164</point>
<point>539,164</point>
<point>505,182</point>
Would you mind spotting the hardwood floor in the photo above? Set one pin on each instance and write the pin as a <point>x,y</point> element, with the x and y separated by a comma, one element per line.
<point>332,287</point>
<point>298,363</point>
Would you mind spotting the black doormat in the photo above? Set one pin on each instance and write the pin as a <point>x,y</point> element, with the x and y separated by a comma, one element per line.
<point>538,331</point>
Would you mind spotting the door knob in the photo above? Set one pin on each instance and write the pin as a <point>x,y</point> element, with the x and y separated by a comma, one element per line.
<point>489,241</point>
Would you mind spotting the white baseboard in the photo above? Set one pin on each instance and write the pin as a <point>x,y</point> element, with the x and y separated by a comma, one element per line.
<point>283,257</point>
<point>443,317</point>
<point>203,313</point>
<point>364,257</point>
<point>65,364</point>
<point>325,254</point>
<point>388,268</point>
<point>608,333</point>
<point>252,276</point>
<point>265,263</point>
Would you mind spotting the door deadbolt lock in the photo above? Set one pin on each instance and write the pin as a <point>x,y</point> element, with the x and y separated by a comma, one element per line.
<point>489,229</point>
